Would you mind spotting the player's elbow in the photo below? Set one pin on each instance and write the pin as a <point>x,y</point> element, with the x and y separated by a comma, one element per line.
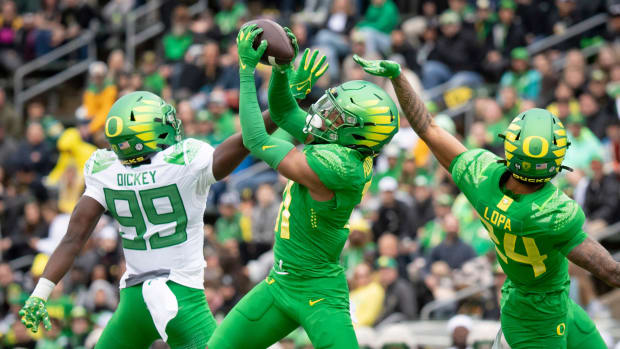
<point>614,276</point>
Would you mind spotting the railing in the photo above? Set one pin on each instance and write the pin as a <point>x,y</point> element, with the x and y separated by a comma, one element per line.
<point>577,29</point>
<point>22,95</point>
<point>133,37</point>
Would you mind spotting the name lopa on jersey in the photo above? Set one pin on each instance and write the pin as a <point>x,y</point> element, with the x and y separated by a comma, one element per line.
<point>158,207</point>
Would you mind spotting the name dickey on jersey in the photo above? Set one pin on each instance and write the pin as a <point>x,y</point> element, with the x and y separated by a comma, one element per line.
<point>133,179</point>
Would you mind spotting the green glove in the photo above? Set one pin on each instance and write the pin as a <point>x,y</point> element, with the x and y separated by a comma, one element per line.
<point>388,69</point>
<point>291,36</point>
<point>302,79</point>
<point>34,313</point>
<point>248,56</point>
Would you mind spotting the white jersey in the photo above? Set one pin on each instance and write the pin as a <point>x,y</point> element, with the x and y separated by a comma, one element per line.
<point>158,207</point>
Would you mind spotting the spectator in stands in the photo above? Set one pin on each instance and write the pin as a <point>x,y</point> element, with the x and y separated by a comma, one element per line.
<point>549,80</point>
<point>527,82</point>
<point>564,15</point>
<point>380,19</point>
<point>12,126</point>
<point>400,298</point>
<point>34,154</point>
<point>452,250</point>
<point>596,118</point>
<point>221,115</point>
<point>422,203</point>
<point>459,328</point>
<point>485,19</point>
<point>403,48</point>
<point>264,214</point>
<point>432,233</point>
<point>179,39</point>
<point>393,214</point>
<point>360,247</point>
<point>602,193</point>
<point>508,33</point>
<point>211,69</point>
<point>584,144</point>
<point>99,96</point>
<point>367,296</point>
<point>455,56</point>
<point>333,40</point>
<point>77,16</point>
<point>10,29</point>
<point>227,18</point>
<point>464,10</point>
<point>227,226</point>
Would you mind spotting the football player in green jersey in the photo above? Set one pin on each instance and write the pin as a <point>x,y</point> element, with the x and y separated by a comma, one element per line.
<point>534,226</point>
<point>155,184</point>
<point>344,129</point>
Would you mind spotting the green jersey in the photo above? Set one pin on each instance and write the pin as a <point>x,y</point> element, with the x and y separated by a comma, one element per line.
<point>310,234</point>
<point>532,233</point>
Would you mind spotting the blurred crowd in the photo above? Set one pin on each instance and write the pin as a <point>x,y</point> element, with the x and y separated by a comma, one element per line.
<point>414,239</point>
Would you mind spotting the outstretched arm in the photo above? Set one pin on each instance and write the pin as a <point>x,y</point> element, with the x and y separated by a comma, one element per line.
<point>444,146</point>
<point>593,257</point>
<point>83,220</point>
<point>278,153</point>
<point>228,155</point>
<point>288,84</point>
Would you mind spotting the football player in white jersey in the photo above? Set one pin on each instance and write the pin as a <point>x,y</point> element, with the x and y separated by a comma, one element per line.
<point>155,185</point>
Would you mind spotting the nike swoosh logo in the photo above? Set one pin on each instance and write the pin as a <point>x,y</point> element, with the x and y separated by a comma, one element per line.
<point>270,281</point>
<point>265,147</point>
<point>300,87</point>
<point>242,65</point>
<point>312,303</point>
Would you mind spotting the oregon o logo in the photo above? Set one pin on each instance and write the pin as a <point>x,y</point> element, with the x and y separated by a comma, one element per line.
<point>544,146</point>
<point>113,129</point>
<point>561,329</point>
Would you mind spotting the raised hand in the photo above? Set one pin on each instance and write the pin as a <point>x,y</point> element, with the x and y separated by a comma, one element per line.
<point>291,36</point>
<point>248,56</point>
<point>385,68</point>
<point>34,313</point>
<point>308,72</point>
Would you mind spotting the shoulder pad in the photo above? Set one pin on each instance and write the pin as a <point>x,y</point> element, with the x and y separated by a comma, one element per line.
<point>99,161</point>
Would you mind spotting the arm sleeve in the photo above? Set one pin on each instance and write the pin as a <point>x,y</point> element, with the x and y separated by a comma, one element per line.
<point>468,169</point>
<point>569,222</point>
<point>255,137</point>
<point>283,108</point>
<point>94,187</point>
<point>199,157</point>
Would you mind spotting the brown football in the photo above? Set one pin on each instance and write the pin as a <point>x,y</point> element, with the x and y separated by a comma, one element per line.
<point>279,47</point>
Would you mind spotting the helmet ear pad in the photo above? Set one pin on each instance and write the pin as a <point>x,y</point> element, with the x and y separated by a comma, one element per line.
<point>369,117</point>
<point>535,144</point>
<point>140,124</point>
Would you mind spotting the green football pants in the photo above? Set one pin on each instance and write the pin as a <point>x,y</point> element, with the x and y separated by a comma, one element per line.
<point>131,326</point>
<point>270,311</point>
<point>572,330</point>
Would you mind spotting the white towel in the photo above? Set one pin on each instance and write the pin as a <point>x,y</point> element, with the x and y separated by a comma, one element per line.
<point>161,302</point>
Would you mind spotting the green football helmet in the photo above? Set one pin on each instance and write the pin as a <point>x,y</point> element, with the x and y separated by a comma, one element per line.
<point>140,124</point>
<point>535,144</point>
<point>356,114</point>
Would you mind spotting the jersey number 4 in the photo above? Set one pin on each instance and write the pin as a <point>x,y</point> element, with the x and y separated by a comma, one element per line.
<point>136,218</point>
<point>532,256</point>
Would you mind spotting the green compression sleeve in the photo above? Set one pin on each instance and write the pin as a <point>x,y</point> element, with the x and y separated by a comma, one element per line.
<point>255,138</point>
<point>283,107</point>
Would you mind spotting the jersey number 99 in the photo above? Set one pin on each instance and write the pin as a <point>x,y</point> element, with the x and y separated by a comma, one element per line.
<point>136,218</point>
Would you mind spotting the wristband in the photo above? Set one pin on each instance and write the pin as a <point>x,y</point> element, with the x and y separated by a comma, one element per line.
<point>43,289</point>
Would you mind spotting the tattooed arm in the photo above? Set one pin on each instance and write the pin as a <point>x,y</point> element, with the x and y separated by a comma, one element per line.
<point>444,146</point>
<point>593,257</point>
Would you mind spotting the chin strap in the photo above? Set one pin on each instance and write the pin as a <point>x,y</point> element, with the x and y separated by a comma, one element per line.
<point>569,169</point>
